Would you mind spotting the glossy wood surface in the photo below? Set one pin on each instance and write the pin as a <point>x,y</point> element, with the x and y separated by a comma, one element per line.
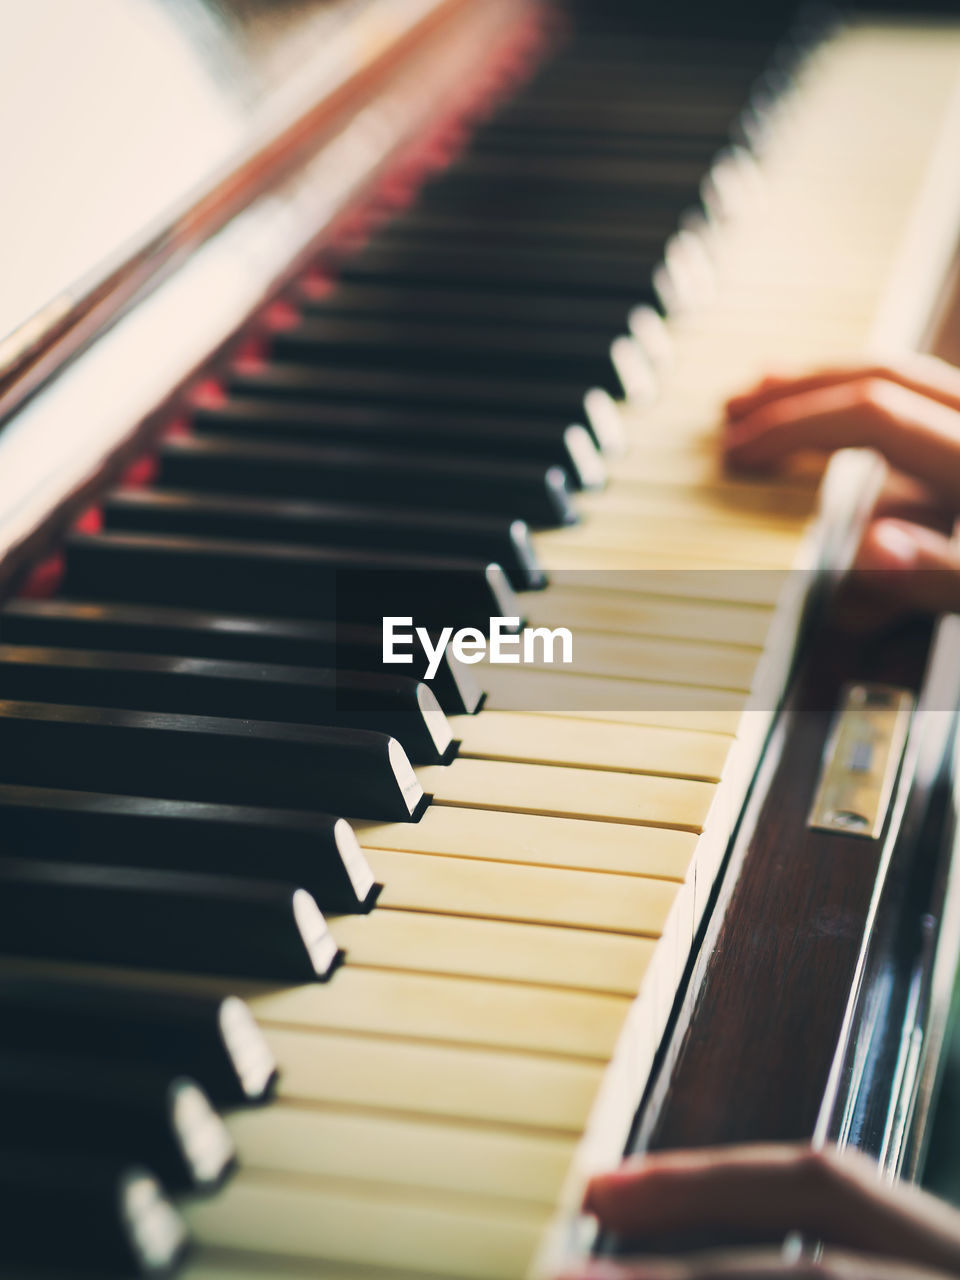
<point>751,1050</point>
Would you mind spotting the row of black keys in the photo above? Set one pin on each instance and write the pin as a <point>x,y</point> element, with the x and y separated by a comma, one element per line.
<point>441,375</point>
<point>108,1098</point>
<point>388,458</point>
<point>105,703</point>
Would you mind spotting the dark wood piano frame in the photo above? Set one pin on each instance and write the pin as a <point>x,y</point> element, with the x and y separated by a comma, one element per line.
<point>817,1000</point>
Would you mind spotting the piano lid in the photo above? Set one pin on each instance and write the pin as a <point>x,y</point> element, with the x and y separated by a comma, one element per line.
<point>118,116</point>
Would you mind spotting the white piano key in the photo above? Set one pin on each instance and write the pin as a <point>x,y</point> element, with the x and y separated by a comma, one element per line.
<point>643,702</point>
<point>443,1010</point>
<point>531,895</point>
<point>501,735</point>
<point>461,946</point>
<point>373,1226</point>
<point>498,1087</point>
<point>613,611</point>
<point>683,662</point>
<point>538,840</point>
<point>324,1143</point>
<point>564,792</point>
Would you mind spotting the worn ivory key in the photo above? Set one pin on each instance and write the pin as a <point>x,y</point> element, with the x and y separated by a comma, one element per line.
<point>448,1011</point>
<point>684,662</point>
<point>642,702</point>
<point>421,942</point>
<point>501,735</point>
<point>453,1082</point>
<point>746,582</point>
<point>466,1238</point>
<point>228,1264</point>
<point>534,895</point>
<point>406,1151</point>
<point>645,615</point>
<point>538,839</point>
<point>735,501</point>
<point>564,792</point>
<point>762,539</point>
<point>699,576</point>
<point>724,544</point>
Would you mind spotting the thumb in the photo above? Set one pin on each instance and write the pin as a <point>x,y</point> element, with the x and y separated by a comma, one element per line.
<point>916,567</point>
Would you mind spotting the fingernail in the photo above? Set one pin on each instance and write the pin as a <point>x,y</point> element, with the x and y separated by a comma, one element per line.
<point>897,544</point>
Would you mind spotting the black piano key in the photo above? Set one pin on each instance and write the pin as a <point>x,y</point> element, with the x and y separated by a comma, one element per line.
<point>292,581</point>
<point>329,524</point>
<point>456,432</point>
<point>513,197</point>
<point>601,318</point>
<point>691,130</point>
<point>94,1216</point>
<point>586,141</point>
<point>614,104</point>
<point>213,1039</point>
<point>314,850</point>
<point>547,229</point>
<point>589,273</point>
<point>75,1105</point>
<point>537,493</point>
<point>250,762</point>
<point>700,118</point>
<point>569,239</point>
<point>658,47</point>
<point>555,399</point>
<point>442,348</point>
<point>162,920</point>
<point>386,703</point>
<point>157,629</point>
<point>624,45</point>
<point>387,426</point>
<point>647,181</point>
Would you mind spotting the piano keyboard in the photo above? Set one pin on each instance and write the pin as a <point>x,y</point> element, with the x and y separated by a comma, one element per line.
<point>172,713</point>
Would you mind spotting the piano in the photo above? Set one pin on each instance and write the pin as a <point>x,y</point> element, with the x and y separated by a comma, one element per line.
<point>320,313</point>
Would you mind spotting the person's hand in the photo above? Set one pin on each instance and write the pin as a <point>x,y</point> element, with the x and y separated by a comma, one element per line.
<point>756,1196</point>
<point>909,413</point>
